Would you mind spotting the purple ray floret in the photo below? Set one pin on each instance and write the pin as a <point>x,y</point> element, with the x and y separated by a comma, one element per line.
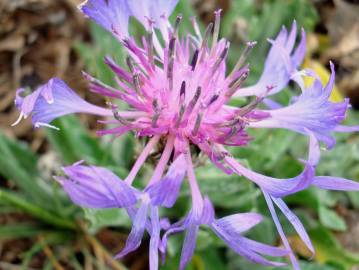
<point>230,230</point>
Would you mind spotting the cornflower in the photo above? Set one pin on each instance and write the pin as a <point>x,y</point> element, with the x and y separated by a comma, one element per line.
<point>178,91</point>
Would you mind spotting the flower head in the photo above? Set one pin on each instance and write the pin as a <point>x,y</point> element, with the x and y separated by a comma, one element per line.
<point>178,90</point>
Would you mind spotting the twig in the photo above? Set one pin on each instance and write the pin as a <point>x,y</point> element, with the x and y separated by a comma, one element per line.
<point>49,254</point>
<point>9,266</point>
<point>99,249</point>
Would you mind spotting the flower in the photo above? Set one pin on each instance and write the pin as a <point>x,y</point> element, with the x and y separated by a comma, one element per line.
<point>178,91</point>
<point>306,112</point>
<point>229,229</point>
<point>52,100</point>
<point>97,187</point>
<point>281,64</point>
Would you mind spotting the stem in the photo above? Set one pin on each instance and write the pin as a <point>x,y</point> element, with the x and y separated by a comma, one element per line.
<point>141,159</point>
<point>197,200</point>
<point>161,165</point>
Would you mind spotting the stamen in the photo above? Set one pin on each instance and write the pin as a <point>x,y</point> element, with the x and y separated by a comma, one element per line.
<point>150,49</point>
<point>136,83</point>
<point>157,113</point>
<point>97,82</point>
<point>155,118</point>
<point>176,26</point>
<point>194,100</point>
<point>171,58</point>
<point>233,87</point>
<point>249,46</point>
<point>197,124</point>
<point>250,106</point>
<point>21,116</point>
<point>217,24</point>
<point>183,92</point>
<point>116,115</point>
<point>194,59</point>
<point>234,130</point>
<point>196,28</point>
<point>130,63</point>
<point>206,36</point>
<point>221,58</point>
<point>171,52</point>
<point>40,124</point>
<point>213,99</point>
<point>180,115</point>
<point>135,75</point>
<point>182,105</point>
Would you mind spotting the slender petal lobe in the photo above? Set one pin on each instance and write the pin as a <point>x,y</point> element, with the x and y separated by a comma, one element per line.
<point>52,100</point>
<point>112,15</point>
<point>166,191</point>
<point>96,187</point>
<point>335,183</point>
<point>312,111</point>
<point>281,64</point>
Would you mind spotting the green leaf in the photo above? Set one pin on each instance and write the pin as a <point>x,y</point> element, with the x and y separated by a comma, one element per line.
<point>73,142</point>
<point>238,193</point>
<point>93,54</point>
<point>16,200</point>
<point>100,218</point>
<point>328,250</point>
<point>18,164</point>
<point>12,231</point>
<point>331,220</point>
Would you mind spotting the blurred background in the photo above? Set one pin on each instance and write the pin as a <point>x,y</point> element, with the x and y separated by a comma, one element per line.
<point>41,229</point>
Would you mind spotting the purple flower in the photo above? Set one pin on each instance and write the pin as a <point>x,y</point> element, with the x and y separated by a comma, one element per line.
<point>52,100</point>
<point>96,187</point>
<point>281,63</point>
<point>178,92</point>
<point>230,230</point>
<point>307,111</point>
<point>112,15</point>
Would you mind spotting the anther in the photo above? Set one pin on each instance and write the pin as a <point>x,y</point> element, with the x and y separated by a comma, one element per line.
<point>206,36</point>
<point>171,58</point>
<point>130,63</point>
<point>213,99</point>
<point>250,106</point>
<point>180,115</point>
<point>234,85</point>
<point>196,28</point>
<point>249,46</point>
<point>155,105</point>
<point>97,82</point>
<point>197,124</point>
<point>150,49</point>
<point>136,82</point>
<point>183,92</point>
<point>157,113</point>
<point>194,59</point>
<point>220,58</point>
<point>177,24</point>
<point>116,115</point>
<point>217,24</point>
<point>234,131</point>
<point>135,75</point>
<point>194,100</point>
